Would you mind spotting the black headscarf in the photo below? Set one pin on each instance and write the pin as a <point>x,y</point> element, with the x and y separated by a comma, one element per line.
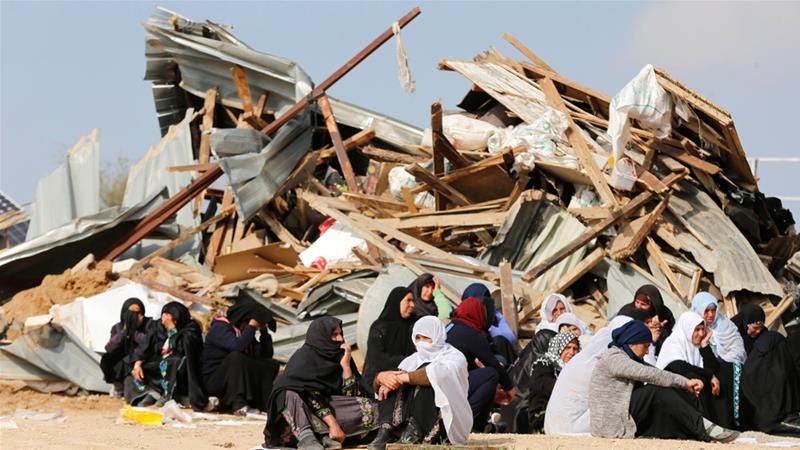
<point>316,366</point>
<point>179,313</point>
<point>633,332</point>
<point>245,309</point>
<point>389,338</point>
<point>128,319</point>
<point>642,315</point>
<point>748,314</point>
<point>481,292</point>
<point>770,383</point>
<point>657,304</point>
<point>422,307</point>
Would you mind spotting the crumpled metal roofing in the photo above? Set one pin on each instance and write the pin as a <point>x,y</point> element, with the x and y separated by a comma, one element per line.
<point>721,249</point>
<point>72,190</point>
<point>533,231</point>
<point>623,281</point>
<point>199,56</point>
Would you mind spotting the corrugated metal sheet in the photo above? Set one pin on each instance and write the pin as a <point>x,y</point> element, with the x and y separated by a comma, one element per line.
<point>519,95</point>
<point>721,249</point>
<point>623,281</point>
<point>533,231</point>
<point>200,56</point>
<point>70,191</point>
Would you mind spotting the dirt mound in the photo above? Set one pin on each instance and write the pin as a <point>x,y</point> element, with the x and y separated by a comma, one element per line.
<point>58,290</point>
<point>13,396</point>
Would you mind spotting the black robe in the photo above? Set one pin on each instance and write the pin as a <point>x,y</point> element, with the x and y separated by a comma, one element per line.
<point>716,408</point>
<point>181,370</point>
<point>770,384</point>
<point>389,339</point>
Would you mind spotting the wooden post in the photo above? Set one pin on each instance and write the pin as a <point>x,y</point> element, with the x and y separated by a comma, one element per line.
<point>507,296</point>
<point>338,145</point>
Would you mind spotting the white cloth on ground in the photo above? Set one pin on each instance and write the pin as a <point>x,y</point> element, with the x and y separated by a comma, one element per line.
<point>447,372</point>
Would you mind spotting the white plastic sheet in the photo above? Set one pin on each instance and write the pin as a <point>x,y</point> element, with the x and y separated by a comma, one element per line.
<point>336,244</point>
<point>642,99</point>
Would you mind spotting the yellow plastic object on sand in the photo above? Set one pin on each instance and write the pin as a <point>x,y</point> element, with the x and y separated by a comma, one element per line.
<point>142,416</point>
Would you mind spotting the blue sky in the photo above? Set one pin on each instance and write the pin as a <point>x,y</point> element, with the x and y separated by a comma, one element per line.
<point>69,67</point>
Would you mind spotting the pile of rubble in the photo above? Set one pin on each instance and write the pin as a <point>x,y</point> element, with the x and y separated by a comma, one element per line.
<point>263,186</point>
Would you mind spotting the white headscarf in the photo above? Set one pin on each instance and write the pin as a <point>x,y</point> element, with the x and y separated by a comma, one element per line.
<point>547,322</point>
<point>447,372</point>
<point>569,318</point>
<point>678,346</point>
<point>726,341</point>
<point>568,409</point>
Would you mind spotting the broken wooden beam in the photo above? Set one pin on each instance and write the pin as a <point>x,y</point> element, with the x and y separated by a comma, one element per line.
<point>338,145</point>
<point>507,297</point>
<point>582,268</point>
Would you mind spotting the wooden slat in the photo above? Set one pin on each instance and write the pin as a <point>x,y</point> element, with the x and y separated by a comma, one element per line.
<point>776,314</point>
<point>431,180</point>
<point>507,296</point>
<point>242,88</point>
<point>582,268</point>
<point>655,252</point>
<point>215,243</point>
<point>578,144</point>
<point>527,52</point>
<point>631,237</point>
<point>354,141</point>
<point>338,145</point>
<point>440,142</point>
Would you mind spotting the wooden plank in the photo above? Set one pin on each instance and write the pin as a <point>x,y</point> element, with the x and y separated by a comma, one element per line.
<point>178,293</point>
<point>354,141</point>
<point>639,201</point>
<point>655,252</point>
<point>191,168</point>
<point>258,111</point>
<point>440,142</point>
<point>631,236</point>
<point>692,161</point>
<point>582,268</point>
<point>519,187</point>
<point>491,218</point>
<point>578,144</point>
<point>527,52</point>
<point>215,242</point>
<point>780,308</point>
<point>651,182</point>
<point>696,277</point>
<point>204,152</point>
<point>507,296</point>
<point>242,88</point>
<point>649,154</point>
<point>280,231</point>
<point>338,145</point>
<point>431,180</point>
<point>382,155</point>
<point>339,73</point>
<point>184,236</point>
<point>591,212</point>
<point>409,199</point>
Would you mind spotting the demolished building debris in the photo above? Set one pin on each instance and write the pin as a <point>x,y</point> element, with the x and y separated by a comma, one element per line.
<point>264,187</point>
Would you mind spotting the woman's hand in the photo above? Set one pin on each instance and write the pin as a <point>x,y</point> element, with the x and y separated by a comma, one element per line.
<point>334,429</point>
<point>715,386</point>
<point>436,282</point>
<point>479,363</point>
<point>390,379</point>
<point>693,386</point>
<point>383,392</point>
<point>137,372</point>
<point>707,339</point>
<point>347,372</point>
<point>254,323</point>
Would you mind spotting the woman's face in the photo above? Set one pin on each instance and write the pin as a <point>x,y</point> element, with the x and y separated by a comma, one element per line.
<point>167,320</point>
<point>710,314</point>
<point>407,306</point>
<point>337,335</point>
<point>640,349</point>
<point>698,334</point>
<point>426,293</point>
<point>570,350</point>
<point>139,315</point>
<point>421,338</point>
<point>559,309</point>
<point>568,328</point>
<point>754,330</point>
<point>642,302</point>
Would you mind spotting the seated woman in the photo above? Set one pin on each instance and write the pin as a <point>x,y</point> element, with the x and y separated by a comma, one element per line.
<point>389,340</point>
<point>543,375</point>
<point>427,398</point>
<point>499,334</point>
<point>467,332</point>
<point>570,414</point>
<point>428,298</point>
<point>133,352</point>
<point>724,354</point>
<point>238,368</point>
<point>770,381</point>
<point>554,305</point>
<point>648,298</point>
<point>570,323</point>
<point>681,354</point>
<point>621,407</point>
<point>180,364</point>
<point>319,393</point>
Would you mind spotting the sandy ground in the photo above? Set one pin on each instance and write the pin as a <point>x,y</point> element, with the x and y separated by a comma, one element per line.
<point>92,424</point>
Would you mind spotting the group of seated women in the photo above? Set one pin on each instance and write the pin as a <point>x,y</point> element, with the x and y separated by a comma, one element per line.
<point>433,374</point>
<point>151,362</point>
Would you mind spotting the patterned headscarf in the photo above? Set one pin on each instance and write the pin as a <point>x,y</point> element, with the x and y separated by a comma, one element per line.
<point>553,355</point>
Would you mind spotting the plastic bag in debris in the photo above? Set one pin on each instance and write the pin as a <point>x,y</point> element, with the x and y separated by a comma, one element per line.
<point>541,139</point>
<point>642,99</point>
<point>139,415</point>
<point>584,197</point>
<point>335,244</point>
<point>171,412</point>
<point>400,178</point>
<point>466,133</point>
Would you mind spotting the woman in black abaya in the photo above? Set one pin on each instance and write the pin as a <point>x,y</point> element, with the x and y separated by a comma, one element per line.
<point>180,357</point>
<point>319,393</point>
<point>237,367</point>
<point>389,339</point>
